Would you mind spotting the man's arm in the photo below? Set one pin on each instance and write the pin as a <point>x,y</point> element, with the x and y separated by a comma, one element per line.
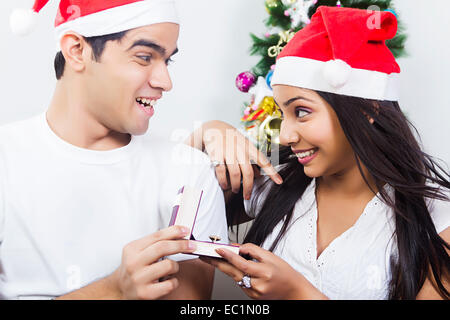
<point>138,276</point>
<point>103,289</point>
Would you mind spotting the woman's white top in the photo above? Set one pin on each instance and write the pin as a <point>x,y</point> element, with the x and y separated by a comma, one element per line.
<point>355,265</point>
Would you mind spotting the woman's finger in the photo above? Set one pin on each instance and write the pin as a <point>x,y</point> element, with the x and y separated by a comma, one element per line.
<point>264,163</point>
<point>215,148</point>
<point>245,266</point>
<point>234,172</point>
<point>255,252</point>
<point>243,157</point>
<point>225,267</point>
<point>247,179</point>
<point>221,175</point>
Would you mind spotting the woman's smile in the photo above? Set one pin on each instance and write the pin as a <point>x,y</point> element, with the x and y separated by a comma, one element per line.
<point>305,156</point>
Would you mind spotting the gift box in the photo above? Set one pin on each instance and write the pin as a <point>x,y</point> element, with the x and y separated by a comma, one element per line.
<point>184,213</point>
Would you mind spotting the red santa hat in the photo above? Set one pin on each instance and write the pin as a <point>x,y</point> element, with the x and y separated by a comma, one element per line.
<point>92,18</point>
<point>342,51</point>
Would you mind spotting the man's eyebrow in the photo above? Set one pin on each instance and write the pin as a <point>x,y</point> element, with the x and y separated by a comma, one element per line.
<point>150,44</point>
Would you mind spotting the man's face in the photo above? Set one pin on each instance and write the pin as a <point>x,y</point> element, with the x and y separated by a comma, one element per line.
<point>131,75</point>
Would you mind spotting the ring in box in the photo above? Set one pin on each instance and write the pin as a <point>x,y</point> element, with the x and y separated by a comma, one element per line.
<point>184,213</point>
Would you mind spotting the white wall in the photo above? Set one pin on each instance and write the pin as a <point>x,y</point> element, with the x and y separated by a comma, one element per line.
<point>214,44</point>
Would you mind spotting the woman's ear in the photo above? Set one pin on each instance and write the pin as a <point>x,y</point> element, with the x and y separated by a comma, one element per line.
<point>73,47</point>
<point>376,109</point>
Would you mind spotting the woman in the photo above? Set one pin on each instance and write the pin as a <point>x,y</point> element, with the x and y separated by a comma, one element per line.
<point>362,212</point>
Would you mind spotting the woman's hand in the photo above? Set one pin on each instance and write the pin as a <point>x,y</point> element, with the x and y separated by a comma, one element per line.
<point>234,154</point>
<point>271,276</point>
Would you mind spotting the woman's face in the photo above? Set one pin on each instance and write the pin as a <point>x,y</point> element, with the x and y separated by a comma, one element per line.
<point>311,128</point>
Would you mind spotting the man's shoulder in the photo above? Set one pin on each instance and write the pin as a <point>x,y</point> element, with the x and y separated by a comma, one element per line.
<point>19,129</point>
<point>174,153</point>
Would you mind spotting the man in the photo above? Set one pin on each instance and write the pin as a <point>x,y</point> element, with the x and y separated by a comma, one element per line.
<point>85,196</point>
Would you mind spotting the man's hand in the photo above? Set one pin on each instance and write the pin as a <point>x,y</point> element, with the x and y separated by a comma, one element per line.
<point>138,277</point>
<point>142,274</point>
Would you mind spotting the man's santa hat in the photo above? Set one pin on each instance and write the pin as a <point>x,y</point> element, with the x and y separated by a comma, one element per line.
<point>91,18</point>
<point>342,51</point>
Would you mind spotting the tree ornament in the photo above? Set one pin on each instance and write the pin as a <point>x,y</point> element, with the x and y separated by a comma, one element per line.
<point>260,91</point>
<point>269,78</point>
<point>272,4</point>
<point>245,80</point>
<point>285,37</point>
<point>298,11</point>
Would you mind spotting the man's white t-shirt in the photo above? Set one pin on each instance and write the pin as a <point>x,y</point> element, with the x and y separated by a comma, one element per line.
<point>66,212</point>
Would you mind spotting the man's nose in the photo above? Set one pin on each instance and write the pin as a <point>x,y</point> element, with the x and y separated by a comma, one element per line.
<point>160,77</point>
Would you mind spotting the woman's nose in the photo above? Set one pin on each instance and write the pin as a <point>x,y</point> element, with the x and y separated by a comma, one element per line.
<point>288,134</point>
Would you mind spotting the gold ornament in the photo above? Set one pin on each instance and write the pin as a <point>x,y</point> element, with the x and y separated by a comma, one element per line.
<point>268,105</point>
<point>285,37</point>
<point>270,129</point>
<point>271,4</point>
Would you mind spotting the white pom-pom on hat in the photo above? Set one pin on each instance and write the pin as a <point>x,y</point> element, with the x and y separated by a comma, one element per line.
<point>23,21</point>
<point>337,73</point>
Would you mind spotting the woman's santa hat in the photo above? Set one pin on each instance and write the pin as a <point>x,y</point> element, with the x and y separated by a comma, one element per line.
<point>91,18</point>
<point>342,51</point>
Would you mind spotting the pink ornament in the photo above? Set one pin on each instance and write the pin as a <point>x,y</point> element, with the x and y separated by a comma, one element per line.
<point>245,80</point>
<point>247,111</point>
<point>287,13</point>
<point>267,35</point>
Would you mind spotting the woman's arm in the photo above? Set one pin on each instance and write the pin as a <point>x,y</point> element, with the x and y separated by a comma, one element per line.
<point>234,154</point>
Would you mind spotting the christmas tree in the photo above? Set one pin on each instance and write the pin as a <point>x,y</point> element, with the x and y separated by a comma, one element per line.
<point>261,117</point>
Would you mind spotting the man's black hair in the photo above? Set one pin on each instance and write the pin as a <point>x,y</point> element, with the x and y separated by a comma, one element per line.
<point>97,44</point>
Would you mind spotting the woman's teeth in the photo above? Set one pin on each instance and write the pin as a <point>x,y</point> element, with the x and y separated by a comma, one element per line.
<point>147,103</point>
<point>309,153</point>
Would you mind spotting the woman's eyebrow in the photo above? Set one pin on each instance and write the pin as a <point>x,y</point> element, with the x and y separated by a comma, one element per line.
<point>287,103</point>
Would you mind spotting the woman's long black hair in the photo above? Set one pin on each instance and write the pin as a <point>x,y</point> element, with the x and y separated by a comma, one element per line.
<point>390,152</point>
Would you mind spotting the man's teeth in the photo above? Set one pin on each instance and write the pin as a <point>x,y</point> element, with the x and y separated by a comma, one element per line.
<point>146,102</point>
<point>306,154</point>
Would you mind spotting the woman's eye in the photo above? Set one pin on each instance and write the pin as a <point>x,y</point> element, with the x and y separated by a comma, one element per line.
<point>300,112</point>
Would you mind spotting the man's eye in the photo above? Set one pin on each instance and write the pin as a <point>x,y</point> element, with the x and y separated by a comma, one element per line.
<point>301,112</point>
<point>146,58</point>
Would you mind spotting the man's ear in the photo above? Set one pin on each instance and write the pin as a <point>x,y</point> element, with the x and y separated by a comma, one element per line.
<point>73,47</point>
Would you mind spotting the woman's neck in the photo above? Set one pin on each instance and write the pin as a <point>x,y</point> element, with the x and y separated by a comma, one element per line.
<point>349,183</point>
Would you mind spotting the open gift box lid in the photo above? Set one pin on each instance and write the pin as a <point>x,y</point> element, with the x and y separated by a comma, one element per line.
<point>184,213</point>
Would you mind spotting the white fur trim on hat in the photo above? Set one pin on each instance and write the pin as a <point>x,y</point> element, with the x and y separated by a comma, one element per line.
<point>336,76</point>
